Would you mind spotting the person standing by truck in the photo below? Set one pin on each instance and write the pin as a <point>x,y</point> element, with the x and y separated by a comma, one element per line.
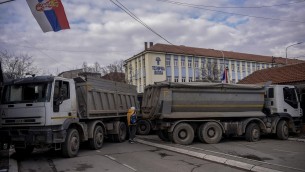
<point>132,122</point>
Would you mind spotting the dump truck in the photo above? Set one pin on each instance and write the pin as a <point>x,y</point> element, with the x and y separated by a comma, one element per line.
<point>209,111</point>
<point>60,113</point>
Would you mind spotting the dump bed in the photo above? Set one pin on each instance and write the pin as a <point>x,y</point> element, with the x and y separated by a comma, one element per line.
<point>202,100</point>
<point>99,98</point>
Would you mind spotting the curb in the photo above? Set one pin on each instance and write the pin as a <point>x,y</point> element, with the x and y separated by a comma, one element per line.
<point>296,139</point>
<point>225,161</point>
<point>13,165</point>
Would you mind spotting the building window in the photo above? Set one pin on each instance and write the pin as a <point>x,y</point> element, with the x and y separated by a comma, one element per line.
<point>182,63</point>
<point>189,64</point>
<point>176,79</point>
<point>196,64</point>
<point>233,66</point>
<point>175,62</point>
<point>169,78</point>
<point>183,79</point>
<point>202,62</point>
<point>190,79</point>
<point>243,67</point>
<point>168,62</point>
<point>238,66</point>
<point>257,66</point>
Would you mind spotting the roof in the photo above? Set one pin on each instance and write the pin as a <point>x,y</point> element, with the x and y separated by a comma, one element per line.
<point>278,75</point>
<point>216,53</point>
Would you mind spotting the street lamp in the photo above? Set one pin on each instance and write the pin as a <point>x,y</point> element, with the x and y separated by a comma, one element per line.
<point>291,46</point>
<point>223,59</point>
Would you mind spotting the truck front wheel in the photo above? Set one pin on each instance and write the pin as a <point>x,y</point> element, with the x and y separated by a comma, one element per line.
<point>210,133</point>
<point>143,127</point>
<point>98,138</point>
<point>183,134</point>
<point>71,145</point>
<point>253,132</point>
<point>282,130</point>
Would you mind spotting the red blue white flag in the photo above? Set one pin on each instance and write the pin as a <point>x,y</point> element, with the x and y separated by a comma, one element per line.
<point>225,76</point>
<point>50,14</point>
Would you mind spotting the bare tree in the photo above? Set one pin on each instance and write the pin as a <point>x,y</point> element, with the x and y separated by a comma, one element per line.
<point>16,66</point>
<point>114,72</point>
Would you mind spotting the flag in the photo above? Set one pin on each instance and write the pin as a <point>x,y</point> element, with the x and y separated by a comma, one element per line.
<point>225,76</point>
<point>50,14</point>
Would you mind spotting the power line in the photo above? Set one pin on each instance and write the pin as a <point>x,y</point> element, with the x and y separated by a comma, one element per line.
<point>125,9</point>
<point>263,6</point>
<point>6,1</point>
<point>238,14</point>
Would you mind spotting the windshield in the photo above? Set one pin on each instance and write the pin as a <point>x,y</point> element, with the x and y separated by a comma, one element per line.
<point>26,93</point>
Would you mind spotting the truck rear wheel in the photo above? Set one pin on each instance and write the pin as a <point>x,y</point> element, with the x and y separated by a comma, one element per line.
<point>163,135</point>
<point>253,133</point>
<point>98,138</point>
<point>210,133</point>
<point>122,133</point>
<point>143,127</point>
<point>183,134</point>
<point>24,151</point>
<point>282,130</point>
<point>71,145</point>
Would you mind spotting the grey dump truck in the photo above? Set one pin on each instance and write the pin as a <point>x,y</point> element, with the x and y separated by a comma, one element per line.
<point>60,113</point>
<point>209,111</point>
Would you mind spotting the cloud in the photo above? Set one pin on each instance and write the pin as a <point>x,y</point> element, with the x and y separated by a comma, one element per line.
<point>101,32</point>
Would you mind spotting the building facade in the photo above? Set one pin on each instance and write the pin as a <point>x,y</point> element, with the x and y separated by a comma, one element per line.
<point>161,62</point>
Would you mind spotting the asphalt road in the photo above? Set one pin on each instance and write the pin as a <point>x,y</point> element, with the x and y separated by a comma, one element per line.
<point>118,157</point>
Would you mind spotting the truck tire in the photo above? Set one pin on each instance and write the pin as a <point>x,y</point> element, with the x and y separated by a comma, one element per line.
<point>183,134</point>
<point>282,130</point>
<point>210,133</point>
<point>122,133</point>
<point>98,138</point>
<point>143,127</point>
<point>24,151</point>
<point>253,132</point>
<point>71,145</point>
<point>163,135</point>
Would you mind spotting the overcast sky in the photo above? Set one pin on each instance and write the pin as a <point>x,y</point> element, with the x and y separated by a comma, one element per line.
<point>101,32</point>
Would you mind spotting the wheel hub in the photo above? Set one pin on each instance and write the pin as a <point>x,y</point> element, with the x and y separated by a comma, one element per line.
<point>182,134</point>
<point>211,132</point>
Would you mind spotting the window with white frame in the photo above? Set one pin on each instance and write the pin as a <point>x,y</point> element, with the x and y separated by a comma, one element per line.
<point>183,79</point>
<point>176,79</point>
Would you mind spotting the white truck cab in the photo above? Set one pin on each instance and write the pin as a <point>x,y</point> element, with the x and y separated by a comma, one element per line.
<point>283,99</point>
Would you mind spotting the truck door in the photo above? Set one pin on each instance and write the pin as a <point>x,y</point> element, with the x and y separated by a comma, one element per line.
<point>62,103</point>
<point>292,103</point>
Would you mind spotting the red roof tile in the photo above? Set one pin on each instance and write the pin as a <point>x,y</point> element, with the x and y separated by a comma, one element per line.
<point>217,53</point>
<point>278,75</point>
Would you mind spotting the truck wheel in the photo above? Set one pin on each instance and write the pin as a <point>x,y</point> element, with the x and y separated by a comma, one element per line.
<point>183,134</point>
<point>163,135</point>
<point>24,151</point>
<point>282,130</point>
<point>71,145</point>
<point>253,132</point>
<point>210,133</point>
<point>98,138</point>
<point>143,127</point>
<point>121,136</point>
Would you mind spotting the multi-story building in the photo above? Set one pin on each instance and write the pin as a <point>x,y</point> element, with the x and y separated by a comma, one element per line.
<point>161,62</point>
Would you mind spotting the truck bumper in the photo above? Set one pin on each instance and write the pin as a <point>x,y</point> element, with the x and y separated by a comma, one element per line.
<point>33,135</point>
